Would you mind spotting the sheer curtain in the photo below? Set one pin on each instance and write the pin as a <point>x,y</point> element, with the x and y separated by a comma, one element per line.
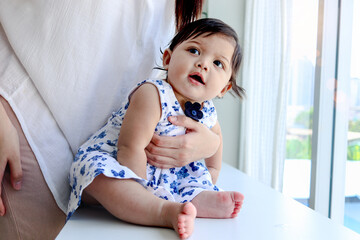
<point>265,77</point>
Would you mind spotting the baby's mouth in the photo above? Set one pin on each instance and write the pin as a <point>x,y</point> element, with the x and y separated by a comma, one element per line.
<point>197,78</point>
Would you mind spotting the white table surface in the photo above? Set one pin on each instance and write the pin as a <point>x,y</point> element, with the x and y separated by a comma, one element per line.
<point>266,214</point>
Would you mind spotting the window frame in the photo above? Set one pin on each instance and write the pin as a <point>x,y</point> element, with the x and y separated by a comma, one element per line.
<point>337,203</point>
<point>322,139</point>
<point>332,72</point>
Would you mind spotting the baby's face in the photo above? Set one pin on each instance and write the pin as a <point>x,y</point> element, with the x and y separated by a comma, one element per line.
<point>200,68</point>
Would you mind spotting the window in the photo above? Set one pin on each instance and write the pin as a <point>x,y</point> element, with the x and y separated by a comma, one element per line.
<point>352,179</point>
<point>301,100</point>
<point>322,169</point>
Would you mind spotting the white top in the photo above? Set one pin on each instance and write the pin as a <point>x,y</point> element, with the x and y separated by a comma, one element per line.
<point>66,65</point>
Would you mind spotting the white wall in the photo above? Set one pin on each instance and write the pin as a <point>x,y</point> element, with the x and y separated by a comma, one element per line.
<point>228,108</point>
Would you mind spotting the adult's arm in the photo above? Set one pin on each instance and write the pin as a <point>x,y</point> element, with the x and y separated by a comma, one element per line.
<point>198,142</point>
<point>9,153</point>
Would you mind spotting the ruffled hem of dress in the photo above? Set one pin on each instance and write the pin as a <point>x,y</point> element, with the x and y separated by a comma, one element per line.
<point>75,202</point>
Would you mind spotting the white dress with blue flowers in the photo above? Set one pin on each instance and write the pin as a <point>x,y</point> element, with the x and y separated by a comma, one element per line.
<point>98,156</point>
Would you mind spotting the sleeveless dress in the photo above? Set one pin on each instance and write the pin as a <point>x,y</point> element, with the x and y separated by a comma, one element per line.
<point>98,156</point>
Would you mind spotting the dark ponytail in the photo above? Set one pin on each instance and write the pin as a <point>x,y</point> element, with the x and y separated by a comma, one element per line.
<point>187,11</point>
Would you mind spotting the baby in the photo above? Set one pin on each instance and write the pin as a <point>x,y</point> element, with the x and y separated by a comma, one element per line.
<point>201,63</point>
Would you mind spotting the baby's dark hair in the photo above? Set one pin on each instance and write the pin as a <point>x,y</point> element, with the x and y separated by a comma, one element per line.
<point>210,26</point>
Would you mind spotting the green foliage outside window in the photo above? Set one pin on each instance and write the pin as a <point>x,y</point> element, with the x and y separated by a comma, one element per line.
<point>305,118</point>
<point>298,149</point>
<point>353,151</point>
<point>354,126</point>
<point>301,148</point>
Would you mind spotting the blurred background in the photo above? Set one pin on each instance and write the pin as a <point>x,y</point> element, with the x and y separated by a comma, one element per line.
<point>298,130</point>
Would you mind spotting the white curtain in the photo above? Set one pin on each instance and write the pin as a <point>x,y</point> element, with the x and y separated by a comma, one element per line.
<point>265,77</point>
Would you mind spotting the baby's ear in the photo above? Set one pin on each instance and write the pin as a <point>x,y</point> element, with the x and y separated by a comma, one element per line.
<point>166,58</point>
<point>225,89</point>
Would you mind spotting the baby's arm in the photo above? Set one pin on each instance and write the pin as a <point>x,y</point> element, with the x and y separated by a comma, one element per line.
<point>138,127</point>
<point>213,163</point>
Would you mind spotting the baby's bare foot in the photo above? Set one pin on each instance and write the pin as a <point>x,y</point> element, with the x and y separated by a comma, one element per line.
<point>184,225</point>
<point>180,217</point>
<point>211,204</point>
<point>238,205</point>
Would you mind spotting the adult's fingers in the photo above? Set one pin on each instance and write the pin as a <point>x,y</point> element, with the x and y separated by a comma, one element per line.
<point>2,170</point>
<point>165,142</point>
<point>15,172</point>
<point>2,207</point>
<point>15,177</point>
<point>160,146</point>
<point>184,121</point>
<point>161,161</point>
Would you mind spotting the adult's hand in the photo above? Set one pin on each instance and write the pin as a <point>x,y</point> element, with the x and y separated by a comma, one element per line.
<point>198,142</point>
<point>9,154</point>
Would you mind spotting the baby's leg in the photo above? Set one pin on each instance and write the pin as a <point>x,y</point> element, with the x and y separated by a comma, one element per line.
<point>133,203</point>
<point>211,204</point>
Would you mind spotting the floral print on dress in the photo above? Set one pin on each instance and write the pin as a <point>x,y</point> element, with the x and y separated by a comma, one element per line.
<point>98,155</point>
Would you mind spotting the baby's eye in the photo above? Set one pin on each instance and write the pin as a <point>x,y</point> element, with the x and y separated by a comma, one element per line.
<point>194,51</point>
<point>218,63</point>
